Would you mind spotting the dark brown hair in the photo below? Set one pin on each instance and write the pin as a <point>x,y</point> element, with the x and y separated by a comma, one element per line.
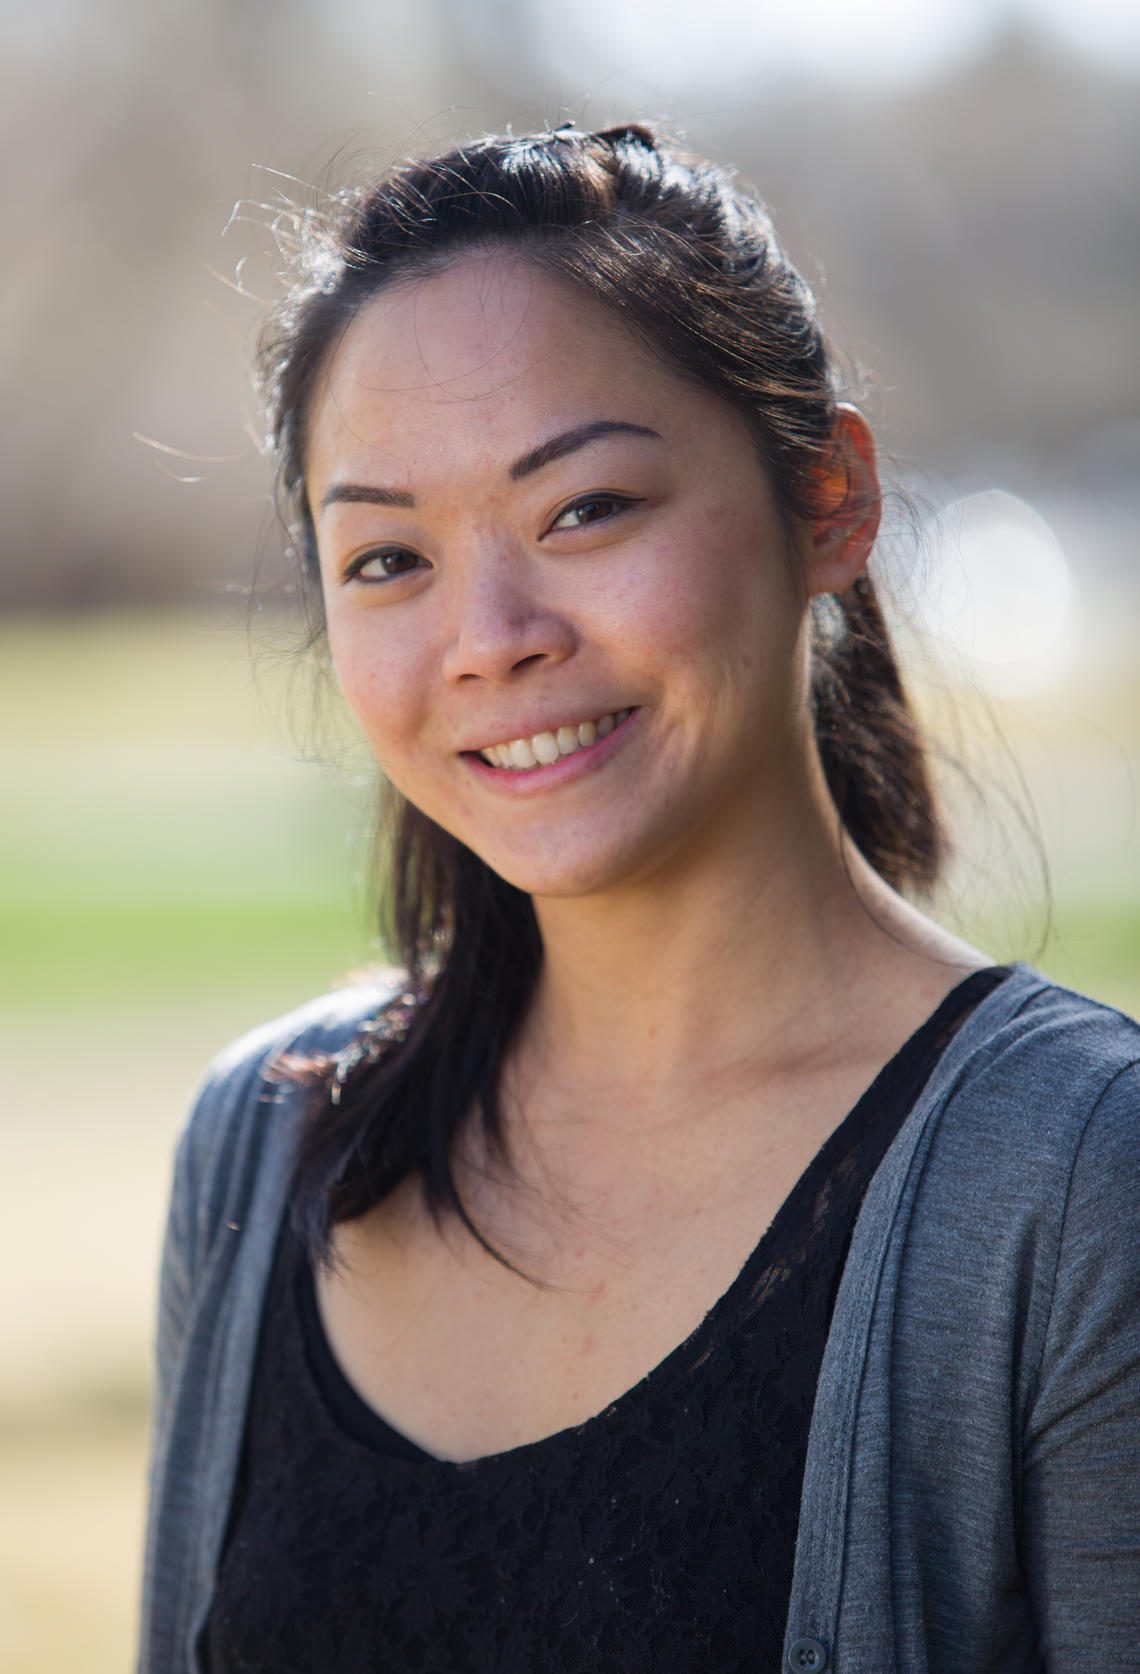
<point>676,248</point>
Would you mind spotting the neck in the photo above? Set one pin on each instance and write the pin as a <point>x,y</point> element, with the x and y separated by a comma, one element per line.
<point>754,954</point>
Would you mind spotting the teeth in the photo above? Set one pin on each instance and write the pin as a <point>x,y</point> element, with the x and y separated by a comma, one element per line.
<point>546,747</point>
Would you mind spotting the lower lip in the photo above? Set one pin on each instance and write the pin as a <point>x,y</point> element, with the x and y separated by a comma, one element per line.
<point>526,781</point>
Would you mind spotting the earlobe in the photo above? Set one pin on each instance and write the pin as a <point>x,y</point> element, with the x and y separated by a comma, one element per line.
<point>848,502</point>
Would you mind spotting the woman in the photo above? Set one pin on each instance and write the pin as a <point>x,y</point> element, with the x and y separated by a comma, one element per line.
<point>701,1260</point>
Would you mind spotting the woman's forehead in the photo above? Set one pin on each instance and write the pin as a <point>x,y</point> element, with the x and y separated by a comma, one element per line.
<point>480,325</point>
<point>489,344</point>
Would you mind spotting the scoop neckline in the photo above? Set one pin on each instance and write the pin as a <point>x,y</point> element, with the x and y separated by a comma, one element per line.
<point>955,1006</point>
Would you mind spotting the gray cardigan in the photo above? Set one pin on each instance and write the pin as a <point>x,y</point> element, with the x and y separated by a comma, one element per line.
<point>971,1500</point>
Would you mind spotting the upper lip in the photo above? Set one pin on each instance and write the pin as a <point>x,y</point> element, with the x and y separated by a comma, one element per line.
<point>574,718</point>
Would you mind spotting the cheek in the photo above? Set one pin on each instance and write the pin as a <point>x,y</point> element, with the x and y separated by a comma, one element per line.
<point>381,677</point>
<point>718,589</point>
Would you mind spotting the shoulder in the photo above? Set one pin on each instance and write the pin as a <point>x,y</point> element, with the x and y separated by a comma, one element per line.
<point>1031,1118</point>
<point>320,1027</point>
<point>1034,1150</point>
<point>1048,1010</point>
<point>1035,1047</point>
<point>1041,1060</point>
<point>1032,1075</point>
<point>1008,1198</point>
<point>246,1103</point>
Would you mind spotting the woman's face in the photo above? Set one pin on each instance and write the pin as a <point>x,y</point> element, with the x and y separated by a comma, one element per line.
<point>559,593</point>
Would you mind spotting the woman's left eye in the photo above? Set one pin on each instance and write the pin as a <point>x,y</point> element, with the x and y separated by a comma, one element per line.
<point>592,508</point>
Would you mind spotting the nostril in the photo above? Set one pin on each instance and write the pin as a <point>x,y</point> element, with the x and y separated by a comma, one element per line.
<point>493,642</point>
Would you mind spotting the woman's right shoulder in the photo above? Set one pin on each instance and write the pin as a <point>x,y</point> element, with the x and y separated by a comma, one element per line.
<point>249,1096</point>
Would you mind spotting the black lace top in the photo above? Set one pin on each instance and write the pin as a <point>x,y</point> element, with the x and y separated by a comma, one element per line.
<point>655,1538</point>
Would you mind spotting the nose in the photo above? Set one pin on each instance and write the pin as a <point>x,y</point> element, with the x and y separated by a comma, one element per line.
<point>500,622</point>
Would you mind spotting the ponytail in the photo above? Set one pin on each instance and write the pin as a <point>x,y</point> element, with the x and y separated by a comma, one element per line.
<point>869,743</point>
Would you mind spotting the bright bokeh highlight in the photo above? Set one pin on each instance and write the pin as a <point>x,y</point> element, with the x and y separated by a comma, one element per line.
<point>999,598</point>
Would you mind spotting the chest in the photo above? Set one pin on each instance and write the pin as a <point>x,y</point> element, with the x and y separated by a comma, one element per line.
<point>657,1535</point>
<point>468,1358</point>
<point>595,1265</point>
<point>469,1354</point>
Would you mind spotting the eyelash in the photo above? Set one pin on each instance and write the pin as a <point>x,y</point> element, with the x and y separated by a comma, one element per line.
<point>622,502</point>
<point>619,503</point>
<point>353,570</point>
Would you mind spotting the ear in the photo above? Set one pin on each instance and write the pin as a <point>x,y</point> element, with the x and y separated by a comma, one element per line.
<point>839,535</point>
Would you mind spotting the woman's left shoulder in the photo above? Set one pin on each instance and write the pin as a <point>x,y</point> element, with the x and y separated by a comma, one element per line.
<point>1038,1040</point>
<point>1041,1081</point>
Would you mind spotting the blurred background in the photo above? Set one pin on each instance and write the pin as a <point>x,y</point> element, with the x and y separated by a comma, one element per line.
<point>185,810</point>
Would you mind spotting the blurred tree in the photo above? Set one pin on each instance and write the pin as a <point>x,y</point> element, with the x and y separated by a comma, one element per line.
<point>979,236</point>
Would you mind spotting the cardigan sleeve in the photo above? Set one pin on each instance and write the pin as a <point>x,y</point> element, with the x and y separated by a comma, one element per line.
<point>1081,1444</point>
<point>174,1282</point>
<point>218,1153</point>
<point>205,1188</point>
<point>230,1179</point>
<point>212,1182</point>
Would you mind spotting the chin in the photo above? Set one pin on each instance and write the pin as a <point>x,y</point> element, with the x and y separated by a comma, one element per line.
<point>558,882</point>
<point>562,875</point>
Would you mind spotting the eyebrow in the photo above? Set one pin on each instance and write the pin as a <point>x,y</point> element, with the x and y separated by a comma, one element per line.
<point>555,447</point>
<point>569,441</point>
<point>352,492</point>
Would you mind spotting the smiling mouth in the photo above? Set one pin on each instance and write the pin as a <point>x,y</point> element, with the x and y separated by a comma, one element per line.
<point>545,748</point>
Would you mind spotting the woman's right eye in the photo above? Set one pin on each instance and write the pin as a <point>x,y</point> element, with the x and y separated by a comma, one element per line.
<point>386,564</point>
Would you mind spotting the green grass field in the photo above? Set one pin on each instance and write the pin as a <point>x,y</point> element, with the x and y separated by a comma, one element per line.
<point>171,874</point>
